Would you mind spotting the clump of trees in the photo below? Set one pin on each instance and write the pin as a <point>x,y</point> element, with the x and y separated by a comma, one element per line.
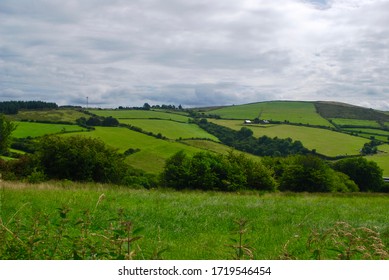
<point>13,107</point>
<point>296,173</point>
<point>207,171</point>
<point>75,158</point>
<point>366,174</point>
<point>97,121</point>
<point>244,140</point>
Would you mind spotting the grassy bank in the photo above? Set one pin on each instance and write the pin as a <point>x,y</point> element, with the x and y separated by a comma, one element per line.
<point>177,225</point>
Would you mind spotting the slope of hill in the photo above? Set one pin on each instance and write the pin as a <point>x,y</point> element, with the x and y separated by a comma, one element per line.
<point>331,110</point>
<point>298,112</point>
<point>294,119</point>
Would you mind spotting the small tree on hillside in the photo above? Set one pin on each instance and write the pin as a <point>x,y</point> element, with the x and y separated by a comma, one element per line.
<point>6,129</point>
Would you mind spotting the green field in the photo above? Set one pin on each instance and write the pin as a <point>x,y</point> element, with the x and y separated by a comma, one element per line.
<point>153,152</point>
<point>368,131</point>
<point>140,114</point>
<point>326,142</point>
<point>170,129</point>
<point>181,225</point>
<point>382,158</point>
<point>54,115</point>
<point>355,122</point>
<point>294,112</point>
<point>32,129</point>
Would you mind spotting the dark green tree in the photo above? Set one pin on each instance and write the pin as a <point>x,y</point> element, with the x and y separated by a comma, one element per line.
<point>6,129</point>
<point>366,174</point>
<point>80,159</point>
<point>309,173</point>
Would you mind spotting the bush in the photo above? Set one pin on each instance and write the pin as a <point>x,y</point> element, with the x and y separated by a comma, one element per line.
<point>366,174</point>
<point>208,171</point>
<point>312,174</point>
<point>80,159</point>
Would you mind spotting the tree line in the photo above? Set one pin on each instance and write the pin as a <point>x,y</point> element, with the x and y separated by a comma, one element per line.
<point>296,173</point>
<point>13,107</point>
<point>243,140</point>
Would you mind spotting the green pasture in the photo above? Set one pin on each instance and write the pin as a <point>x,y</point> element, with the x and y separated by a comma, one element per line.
<point>326,142</point>
<point>368,131</point>
<point>170,129</point>
<point>381,158</point>
<point>354,122</point>
<point>153,152</point>
<point>54,115</point>
<point>33,129</point>
<point>182,225</point>
<point>292,111</point>
<point>140,114</point>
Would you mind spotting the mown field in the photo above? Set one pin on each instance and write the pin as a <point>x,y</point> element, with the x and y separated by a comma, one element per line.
<point>294,112</point>
<point>180,225</point>
<point>382,158</point>
<point>326,142</point>
<point>32,129</point>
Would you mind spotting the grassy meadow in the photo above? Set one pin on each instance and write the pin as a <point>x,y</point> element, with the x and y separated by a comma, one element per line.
<point>181,225</point>
<point>170,129</point>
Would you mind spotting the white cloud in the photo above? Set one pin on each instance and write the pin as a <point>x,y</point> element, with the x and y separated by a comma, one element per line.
<point>195,52</point>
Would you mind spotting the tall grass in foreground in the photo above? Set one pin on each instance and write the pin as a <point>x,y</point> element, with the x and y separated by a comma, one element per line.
<point>66,220</point>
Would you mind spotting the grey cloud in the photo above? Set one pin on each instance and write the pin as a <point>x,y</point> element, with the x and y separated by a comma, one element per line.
<point>194,52</point>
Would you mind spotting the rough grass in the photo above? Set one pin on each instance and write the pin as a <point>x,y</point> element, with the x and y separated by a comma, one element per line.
<point>54,115</point>
<point>25,129</point>
<point>326,142</point>
<point>140,114</point>
<point>170,129</point>
<point>195,225</point>
<point>292,111</point>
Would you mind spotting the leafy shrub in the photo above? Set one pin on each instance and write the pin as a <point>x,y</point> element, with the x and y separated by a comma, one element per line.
<point>366,174</point>
<point>312,174</point>
<point>80,159</point>
<point>208,171</point>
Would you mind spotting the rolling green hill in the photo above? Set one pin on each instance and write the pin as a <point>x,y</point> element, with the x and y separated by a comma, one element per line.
<point>298,120</point>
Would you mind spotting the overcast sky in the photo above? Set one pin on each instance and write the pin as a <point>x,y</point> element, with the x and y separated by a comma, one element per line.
<point>194,52</point>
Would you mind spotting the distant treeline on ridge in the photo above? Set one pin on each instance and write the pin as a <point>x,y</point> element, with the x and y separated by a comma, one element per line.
<point>13,107</point>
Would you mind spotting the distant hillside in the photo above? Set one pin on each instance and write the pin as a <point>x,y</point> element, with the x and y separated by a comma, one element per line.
<point>330,110</point>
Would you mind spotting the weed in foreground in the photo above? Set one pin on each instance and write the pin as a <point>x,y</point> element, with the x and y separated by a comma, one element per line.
<point>342,242</point>
<point>240,246</point>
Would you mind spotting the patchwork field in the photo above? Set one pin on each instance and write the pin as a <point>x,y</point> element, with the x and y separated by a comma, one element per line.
<point>294,112</point>
<point>326,142</point>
